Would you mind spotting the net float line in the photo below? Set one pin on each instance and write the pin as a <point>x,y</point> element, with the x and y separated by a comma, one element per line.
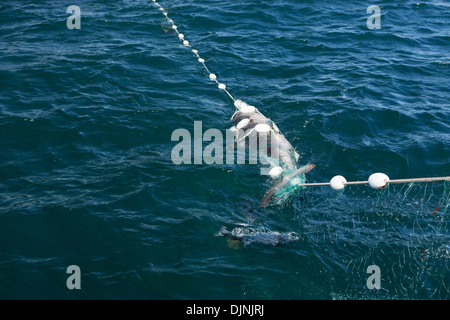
<point>186,43</point>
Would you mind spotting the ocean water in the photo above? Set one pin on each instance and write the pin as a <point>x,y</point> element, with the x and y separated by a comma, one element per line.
<point>87,179</point>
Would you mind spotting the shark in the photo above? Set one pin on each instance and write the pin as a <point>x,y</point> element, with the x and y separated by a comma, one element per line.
<point>287,177</point>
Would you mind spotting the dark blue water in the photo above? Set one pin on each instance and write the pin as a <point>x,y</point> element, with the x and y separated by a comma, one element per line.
<point>87,179</point>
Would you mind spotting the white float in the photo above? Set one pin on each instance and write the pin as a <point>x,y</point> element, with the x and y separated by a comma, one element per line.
<point>247,109</point>
<point>243,123</point>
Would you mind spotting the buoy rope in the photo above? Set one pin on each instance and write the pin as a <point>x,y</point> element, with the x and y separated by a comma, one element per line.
<point>186,43</point>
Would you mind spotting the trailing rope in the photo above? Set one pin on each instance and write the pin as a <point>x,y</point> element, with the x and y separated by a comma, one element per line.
<point>376,180</point>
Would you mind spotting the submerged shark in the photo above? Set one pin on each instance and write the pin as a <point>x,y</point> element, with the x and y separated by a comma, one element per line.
<point>264,237</point>
<point>280,155</point>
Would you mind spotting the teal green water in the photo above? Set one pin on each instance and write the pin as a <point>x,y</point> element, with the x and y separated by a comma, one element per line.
<point>86,176</point>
